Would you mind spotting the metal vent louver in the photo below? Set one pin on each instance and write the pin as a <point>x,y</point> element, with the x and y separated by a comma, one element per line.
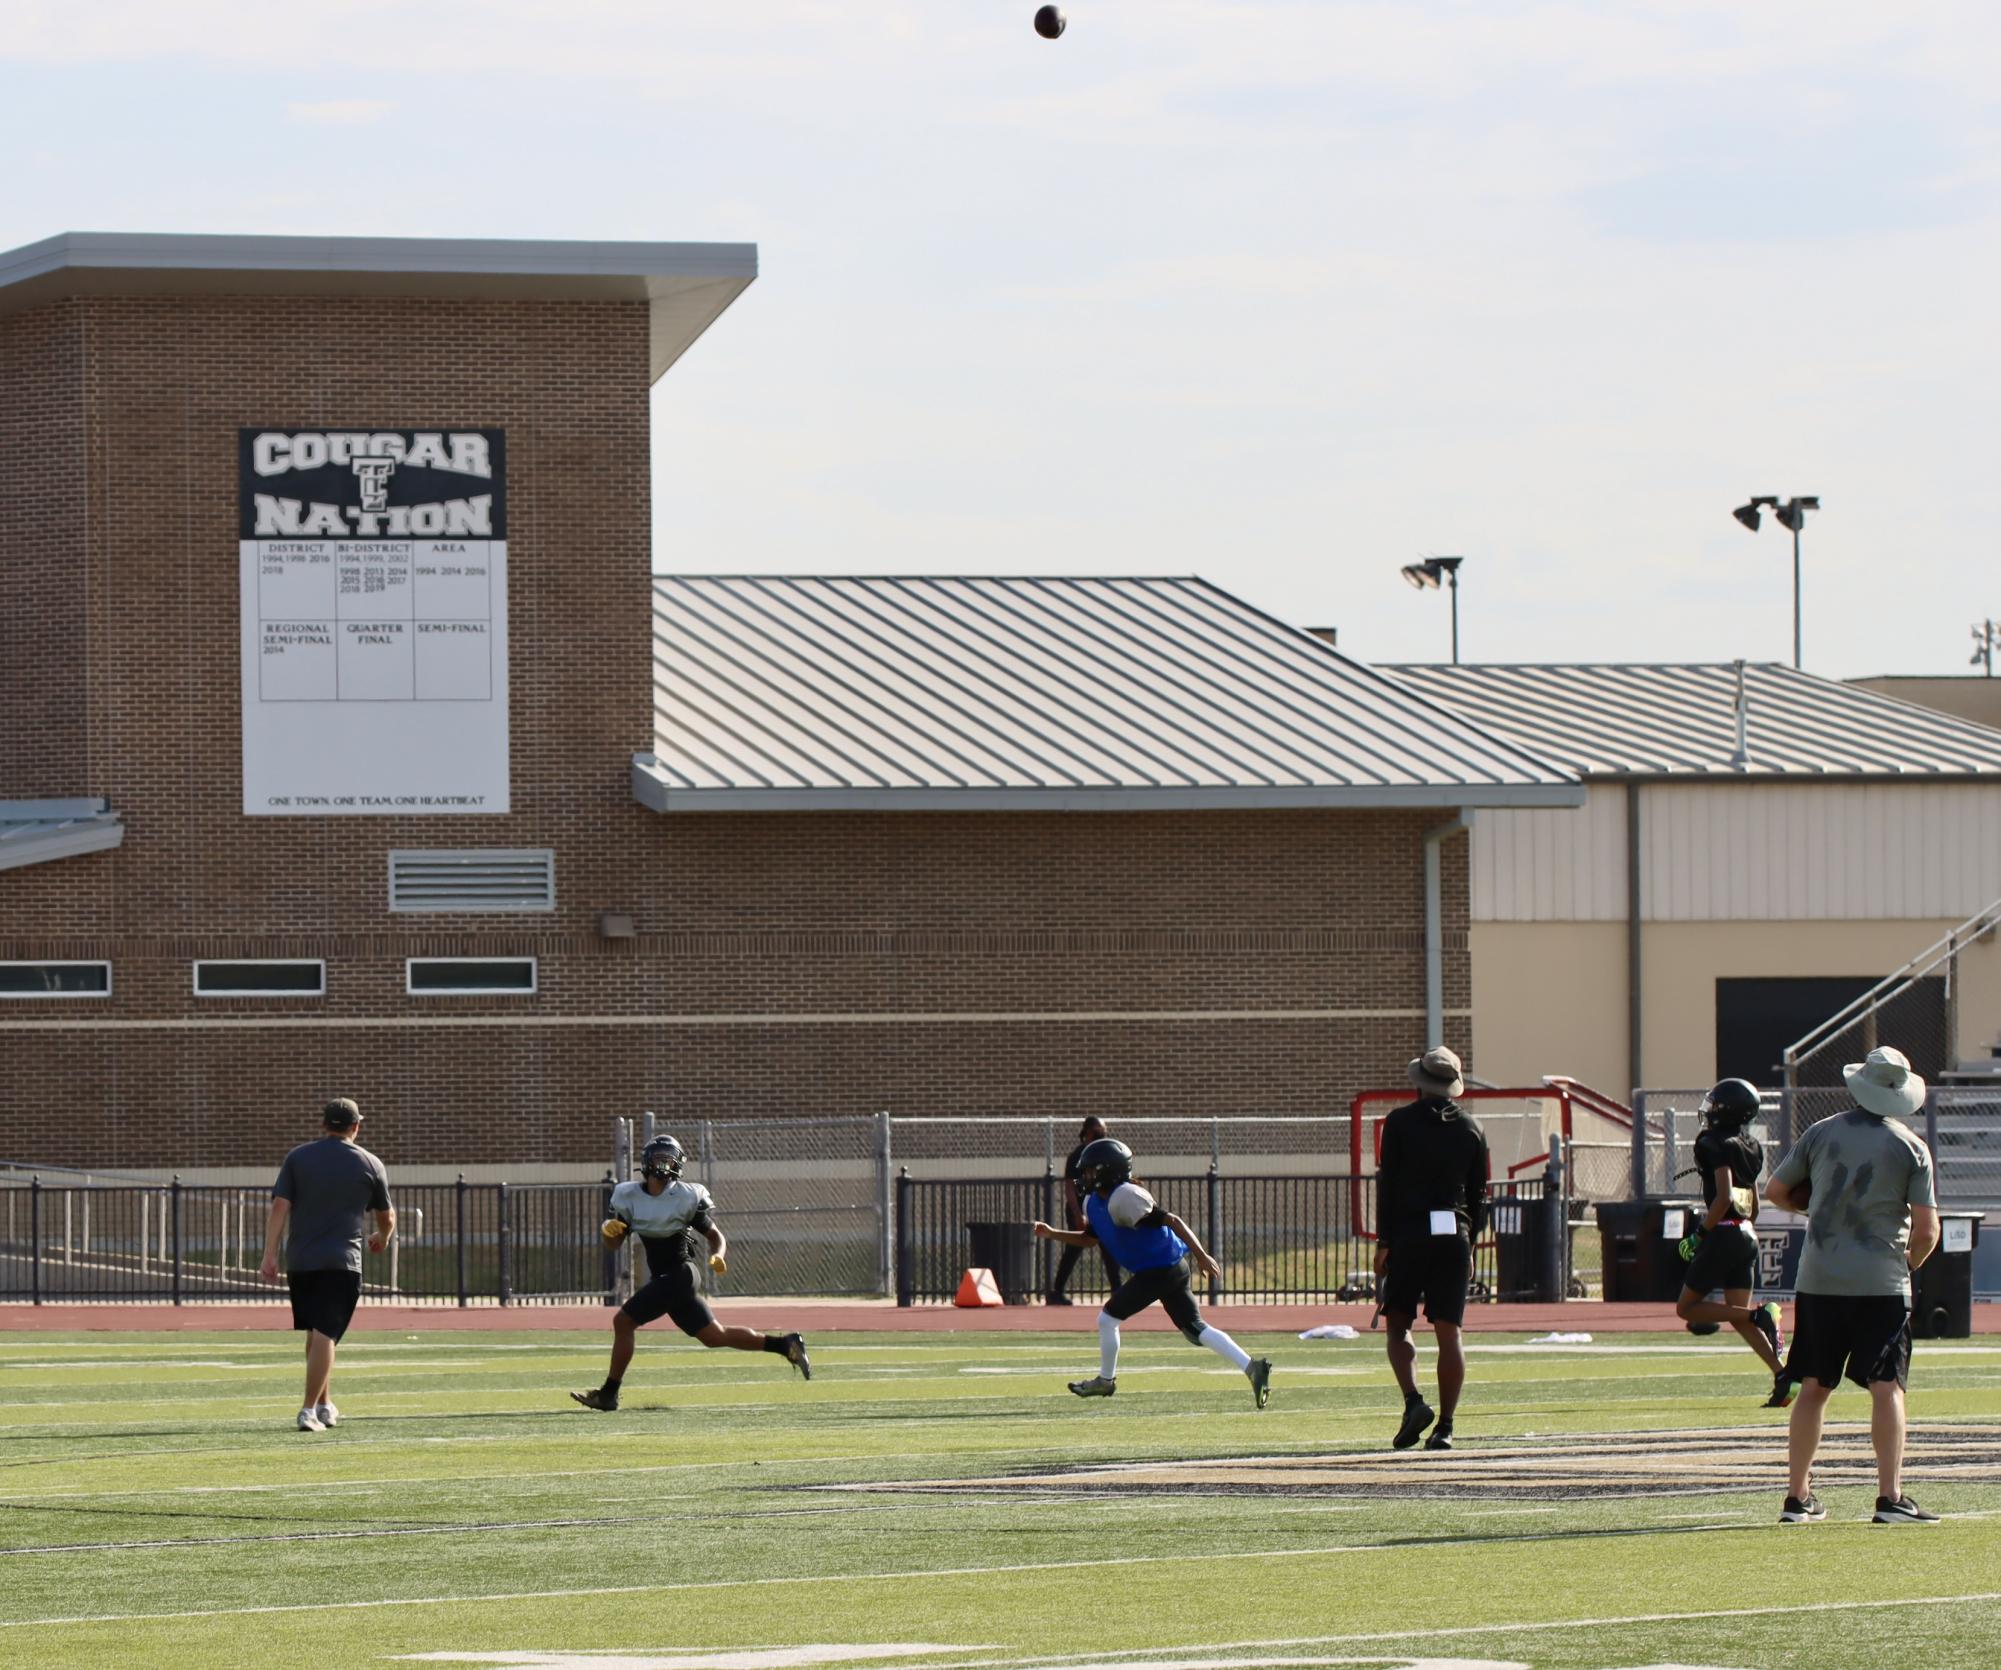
<point>491,880</point>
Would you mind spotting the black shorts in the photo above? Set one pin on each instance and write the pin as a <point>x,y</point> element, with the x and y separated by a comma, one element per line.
<point>323,1301</point>
<point>1169,1288</point>
<point>1727,1258</point>
<point>675,1293</point>
<point>1437,1269</point>
<point>1868,1336</point>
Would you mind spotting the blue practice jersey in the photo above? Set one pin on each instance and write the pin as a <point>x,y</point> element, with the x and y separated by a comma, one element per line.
<point>1113,1220</point>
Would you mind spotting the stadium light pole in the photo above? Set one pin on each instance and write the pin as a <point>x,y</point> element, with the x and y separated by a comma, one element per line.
<point>1789,513</point>
<point>1427,575</point>
<point>1985,637</point>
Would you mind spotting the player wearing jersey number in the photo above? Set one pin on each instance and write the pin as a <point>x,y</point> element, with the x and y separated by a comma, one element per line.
<point>1722,1252</point>
<point>675,1223</point>
<point>1157,1249</point>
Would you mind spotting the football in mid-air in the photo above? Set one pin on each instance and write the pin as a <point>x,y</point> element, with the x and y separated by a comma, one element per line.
<point>1050,22</point>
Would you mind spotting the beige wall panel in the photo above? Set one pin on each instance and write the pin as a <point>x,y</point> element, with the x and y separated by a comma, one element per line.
<point>1553,866</point>
<point>1978,699</point>
<point>1550,997</point>
<point>1683,961</point>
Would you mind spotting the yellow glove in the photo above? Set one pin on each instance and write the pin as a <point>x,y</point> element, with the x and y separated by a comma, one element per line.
<point>613,1230</point>
<point>716,1264</point>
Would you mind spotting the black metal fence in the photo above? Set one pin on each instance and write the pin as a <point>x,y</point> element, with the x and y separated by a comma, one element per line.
<point>456,1243</point>
<point>1277,1238</point>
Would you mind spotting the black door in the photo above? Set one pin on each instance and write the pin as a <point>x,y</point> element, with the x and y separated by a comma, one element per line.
<point>1757,1019</point>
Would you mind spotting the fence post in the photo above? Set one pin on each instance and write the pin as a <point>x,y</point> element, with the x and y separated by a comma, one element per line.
<point>174,1195</point>
<point>502,1238</point>
<point>1555,1278</point>
<point>610,1260</point>
<point>1215,1239</point>
<point>885,1208</point>
<point>905,1276</point>
<point>35,1237</point>
<point>460,1238</point>
<point>1639,1143</point>
<point>1931,1139</point>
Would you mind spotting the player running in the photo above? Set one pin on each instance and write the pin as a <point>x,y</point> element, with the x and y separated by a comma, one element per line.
<point>1155,1247</point>
<point>668,1215</point>
<point>1722,1252</point>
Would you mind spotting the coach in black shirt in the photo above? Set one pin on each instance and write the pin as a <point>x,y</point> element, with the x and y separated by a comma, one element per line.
<point>1431,1203</point>
<point>1073,1214</point>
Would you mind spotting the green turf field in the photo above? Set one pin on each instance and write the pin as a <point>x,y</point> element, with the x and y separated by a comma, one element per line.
<point>933,1500</point>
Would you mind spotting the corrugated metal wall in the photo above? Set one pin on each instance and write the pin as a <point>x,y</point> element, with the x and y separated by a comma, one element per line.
<point>1747,852</point>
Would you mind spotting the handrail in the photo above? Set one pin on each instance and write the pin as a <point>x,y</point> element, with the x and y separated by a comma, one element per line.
<point>1977,926</point>
<point>1592,1101</point>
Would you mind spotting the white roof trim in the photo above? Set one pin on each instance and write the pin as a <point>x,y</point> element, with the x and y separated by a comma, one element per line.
<point>686,284</point>
<point>39,831</point>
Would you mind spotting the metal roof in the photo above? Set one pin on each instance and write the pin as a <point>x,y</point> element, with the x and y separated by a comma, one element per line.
<point>685,285</point>
<point>959,693</point>
<point>35,831</point>
<point>1681,721</point>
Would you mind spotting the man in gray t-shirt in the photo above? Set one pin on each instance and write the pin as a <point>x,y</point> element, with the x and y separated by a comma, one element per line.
<point>326,1192</point>
<point>1864,1179</point>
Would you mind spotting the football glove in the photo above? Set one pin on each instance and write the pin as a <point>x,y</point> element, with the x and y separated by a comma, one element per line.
<point>1688,1245</point>
<point>718,1264</point>
<point>614,1230</point>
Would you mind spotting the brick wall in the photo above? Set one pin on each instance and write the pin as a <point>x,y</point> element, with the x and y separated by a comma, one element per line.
<point>748,925</point>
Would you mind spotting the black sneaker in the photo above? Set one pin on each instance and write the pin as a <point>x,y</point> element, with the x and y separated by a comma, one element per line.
<point>1096,1386</point>
<point>1417,1415</point>
<point>1260,1373</point>
<point>1058,1299</point>
<point>599,1399</point>
<point>1441,1437</point>
<point>795,1354</point>
<point>1782,1392</point>
<point>1797,1512</point>
<point>1903,1511</point>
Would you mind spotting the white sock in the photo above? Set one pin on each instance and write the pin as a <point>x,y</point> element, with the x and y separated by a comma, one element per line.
<point>1108,1346</point>
<point>1225,1347</point>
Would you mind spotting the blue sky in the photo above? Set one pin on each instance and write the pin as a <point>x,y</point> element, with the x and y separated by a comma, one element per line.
<point>1284,294</point>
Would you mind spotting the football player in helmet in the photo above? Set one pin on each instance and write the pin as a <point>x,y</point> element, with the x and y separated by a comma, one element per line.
<point>1157,1249</point>
<point>1722,1251</point>
<point>675,1223</point>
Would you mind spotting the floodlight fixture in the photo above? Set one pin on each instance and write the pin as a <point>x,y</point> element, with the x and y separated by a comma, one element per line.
<point>1427,575</point>
<point>1791,515</point>
<point>1986,638</point>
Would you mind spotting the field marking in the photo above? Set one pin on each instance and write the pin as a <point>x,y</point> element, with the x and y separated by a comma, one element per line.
<point>795,1581</point>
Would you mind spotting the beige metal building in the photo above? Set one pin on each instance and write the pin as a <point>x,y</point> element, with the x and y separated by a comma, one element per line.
<point>1757,847</point>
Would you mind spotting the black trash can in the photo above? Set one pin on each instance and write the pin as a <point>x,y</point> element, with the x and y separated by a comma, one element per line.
<point>1942,1287</point>
<point>1638,1255</point>
<point>1524,1238</point>
<point>1008,1250</point>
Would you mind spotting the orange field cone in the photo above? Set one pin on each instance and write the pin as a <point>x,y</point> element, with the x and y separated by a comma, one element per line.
<point>978,1289</point>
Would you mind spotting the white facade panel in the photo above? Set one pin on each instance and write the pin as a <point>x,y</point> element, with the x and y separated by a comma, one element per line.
<point>1747,852</point>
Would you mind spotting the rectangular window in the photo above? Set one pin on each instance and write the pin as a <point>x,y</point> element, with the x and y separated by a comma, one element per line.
<point>465,976</point>
<point>55,979</point>
<point>299,977</point>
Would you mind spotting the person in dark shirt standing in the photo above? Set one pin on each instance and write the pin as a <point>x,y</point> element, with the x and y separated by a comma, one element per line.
<point>1431,1204</point>
<point>325,1194</point>
<point>1722,1251</point>
<point>1073,1215</point>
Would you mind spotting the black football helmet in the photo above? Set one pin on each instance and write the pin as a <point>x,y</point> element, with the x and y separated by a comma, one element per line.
<point>1733,1102</point>
<point>663,1157</point>
<point>1103,1165</point>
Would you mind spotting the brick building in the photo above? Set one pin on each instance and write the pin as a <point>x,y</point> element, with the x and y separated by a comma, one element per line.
<point>443,802</point>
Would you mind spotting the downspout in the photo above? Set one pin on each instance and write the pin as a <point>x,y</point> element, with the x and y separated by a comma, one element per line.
<point>1434,926</point>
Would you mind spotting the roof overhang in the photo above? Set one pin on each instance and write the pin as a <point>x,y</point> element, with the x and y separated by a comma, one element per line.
<point>38,831</point>
<point>652,789</point>
<point>685,285</point>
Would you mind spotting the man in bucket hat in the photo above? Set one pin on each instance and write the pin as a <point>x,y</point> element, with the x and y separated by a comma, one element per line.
<point>1864,1178</point>
<point>1431,1204</point>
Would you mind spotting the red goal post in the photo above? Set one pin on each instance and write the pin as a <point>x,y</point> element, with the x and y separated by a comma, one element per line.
<point>1518,1122</point>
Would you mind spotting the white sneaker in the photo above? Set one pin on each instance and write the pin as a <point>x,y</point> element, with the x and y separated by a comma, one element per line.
<point>328,1414</point>
<point>310,1422</point>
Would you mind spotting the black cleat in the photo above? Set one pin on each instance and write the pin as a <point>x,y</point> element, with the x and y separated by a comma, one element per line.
<point>1903,1511</point>
<point>1798,1512</point>
<point>1417,1415</point>
<point>795,1354</point>
<point>1057,1299</point>
<point>1441,1438</point>
<point>1260,1373</point>
<point>600,1399</point>
<point>1782,1392</point>
<point>1096,1386</point>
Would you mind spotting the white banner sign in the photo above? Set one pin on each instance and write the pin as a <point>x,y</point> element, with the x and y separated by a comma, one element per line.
<point>374,611</point>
